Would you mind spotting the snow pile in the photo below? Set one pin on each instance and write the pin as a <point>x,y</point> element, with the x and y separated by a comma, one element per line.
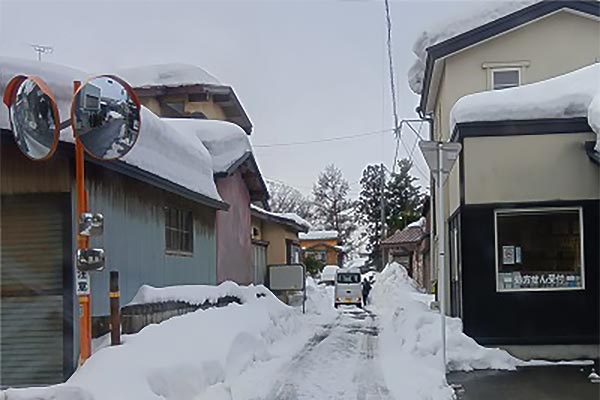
<point>565,96</point>
<point>172,75</point>
<point>226,142</point>
<point>318,235</point>
<point>184,356</point>
<point>59,79</point>
<point>292,217</point>
<point>411,333</point>
<point>420,223</point>
<point>438,34</point>
<point>319,298</point>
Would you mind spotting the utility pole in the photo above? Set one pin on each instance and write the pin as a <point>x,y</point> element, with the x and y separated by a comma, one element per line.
<point>382,209</point>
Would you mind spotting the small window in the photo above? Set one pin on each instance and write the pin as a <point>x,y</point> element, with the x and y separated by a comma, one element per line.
<point>539,249</point>
<point>179,232</point>
<point>178,106</point>
<point>318,255</point>
<point>506,78</point>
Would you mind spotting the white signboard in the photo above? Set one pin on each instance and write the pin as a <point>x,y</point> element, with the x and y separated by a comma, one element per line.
<point>286,277</point>
<point>83,283</point>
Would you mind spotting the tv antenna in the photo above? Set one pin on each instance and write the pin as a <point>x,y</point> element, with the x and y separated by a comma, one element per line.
<point>40,49</point>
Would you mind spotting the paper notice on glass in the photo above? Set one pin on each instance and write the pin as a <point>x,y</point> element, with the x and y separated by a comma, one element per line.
<point>517,254</point>
<point>508,255</point>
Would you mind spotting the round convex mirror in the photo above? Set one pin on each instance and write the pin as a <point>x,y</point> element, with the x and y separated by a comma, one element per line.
<point>33,116</point>
<point>105,115</point>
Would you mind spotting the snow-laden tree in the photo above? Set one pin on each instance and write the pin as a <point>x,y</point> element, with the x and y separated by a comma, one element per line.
<point>402,203</point>
<point>286,199</point>
<point>332,209</point>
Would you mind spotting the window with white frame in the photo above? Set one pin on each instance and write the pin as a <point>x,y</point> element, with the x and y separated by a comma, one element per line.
<point>504,78</point>
<point>539,249</point>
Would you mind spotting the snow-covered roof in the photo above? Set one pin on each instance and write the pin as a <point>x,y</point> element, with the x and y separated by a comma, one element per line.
<point>161,150</point>
<point>565,96</point>
<point>292,218</point>
<point>227,143</point>
<point>440,33</point>
<point>59,78</point>
<point>171,75</point>
<point>319,235</point>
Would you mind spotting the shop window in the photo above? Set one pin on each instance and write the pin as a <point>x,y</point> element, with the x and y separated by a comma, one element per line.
<point>539,249</point>
<point>179,231</point>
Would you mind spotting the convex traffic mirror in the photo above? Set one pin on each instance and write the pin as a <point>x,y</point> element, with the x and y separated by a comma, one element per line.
<point>33,116</point>
<point>105,116</point>
<point>91,224</point>
<point>90,259</point>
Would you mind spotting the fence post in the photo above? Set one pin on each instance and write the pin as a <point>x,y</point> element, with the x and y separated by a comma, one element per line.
<point>115,309</point>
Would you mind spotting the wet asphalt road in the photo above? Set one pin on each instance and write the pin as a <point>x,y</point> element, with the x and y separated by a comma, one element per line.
<point>527,383</point>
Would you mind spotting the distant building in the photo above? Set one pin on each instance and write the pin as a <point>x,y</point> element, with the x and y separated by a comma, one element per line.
<point>323,246</point>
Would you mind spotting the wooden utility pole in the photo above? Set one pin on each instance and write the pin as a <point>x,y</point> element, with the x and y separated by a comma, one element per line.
<point>115,309</point>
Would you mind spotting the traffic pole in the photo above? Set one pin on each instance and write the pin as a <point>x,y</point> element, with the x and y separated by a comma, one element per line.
<point>83,280</point>
<point>441,287</point>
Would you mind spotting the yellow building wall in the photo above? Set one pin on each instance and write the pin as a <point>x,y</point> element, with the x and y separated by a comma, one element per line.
<point>331,254</point>
<point>277,235</point>
<point>209,108</point>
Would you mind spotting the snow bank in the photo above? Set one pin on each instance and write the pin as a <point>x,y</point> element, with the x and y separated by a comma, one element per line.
<point>442,32</point>
<point>197,294</point>
<point>226,142</point>
<point>565,96</point>
<point>411,333</point>
<point>172,75</point>
<point>318,235</point>
<point>234,352</point>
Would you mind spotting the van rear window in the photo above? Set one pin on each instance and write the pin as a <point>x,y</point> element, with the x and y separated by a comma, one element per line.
<point>348,278</point>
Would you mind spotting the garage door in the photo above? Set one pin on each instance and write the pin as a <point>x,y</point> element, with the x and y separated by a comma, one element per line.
<point>32,244</point>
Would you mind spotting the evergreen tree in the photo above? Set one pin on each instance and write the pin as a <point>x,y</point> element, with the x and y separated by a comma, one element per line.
<point>369,209</point>
<point>403,197</point>
<point>332,210</point>
<point>402,203</point>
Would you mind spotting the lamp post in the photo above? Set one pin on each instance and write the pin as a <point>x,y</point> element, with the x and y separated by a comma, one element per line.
<point>440,158</point>
<point>105,119</point>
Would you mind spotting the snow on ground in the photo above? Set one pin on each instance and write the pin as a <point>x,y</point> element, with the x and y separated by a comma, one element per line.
<point>226,142</point>
<point>172,75</point>
<point>410,340</point>
<point>565,96</point>
<point>442,32</point>
<point>219,354</point>
<point>594,117</point>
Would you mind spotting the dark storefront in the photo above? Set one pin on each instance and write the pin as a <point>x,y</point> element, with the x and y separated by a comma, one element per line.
<point>529,272</point>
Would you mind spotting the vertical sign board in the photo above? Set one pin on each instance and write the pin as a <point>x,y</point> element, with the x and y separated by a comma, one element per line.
<point>288,278</point>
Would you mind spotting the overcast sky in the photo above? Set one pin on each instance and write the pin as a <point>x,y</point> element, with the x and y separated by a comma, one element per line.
<point>304,70</point>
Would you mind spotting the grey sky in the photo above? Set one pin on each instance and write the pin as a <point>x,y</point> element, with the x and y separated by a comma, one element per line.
<point>303,70</point>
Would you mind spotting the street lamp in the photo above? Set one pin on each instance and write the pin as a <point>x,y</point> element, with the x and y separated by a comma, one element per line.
<point>105,119</point>
<point>440,158</point>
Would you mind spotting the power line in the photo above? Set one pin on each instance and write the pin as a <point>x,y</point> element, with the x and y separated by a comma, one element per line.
<point>388,19</point>
<point>332,139</point>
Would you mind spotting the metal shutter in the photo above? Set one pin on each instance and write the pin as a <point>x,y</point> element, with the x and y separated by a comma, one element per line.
<point>32,261</point>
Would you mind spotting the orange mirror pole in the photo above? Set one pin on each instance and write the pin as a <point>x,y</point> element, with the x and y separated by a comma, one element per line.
<point>83,280</point>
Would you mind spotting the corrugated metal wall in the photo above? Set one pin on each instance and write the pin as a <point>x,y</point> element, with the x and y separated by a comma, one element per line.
<point>134,238</point>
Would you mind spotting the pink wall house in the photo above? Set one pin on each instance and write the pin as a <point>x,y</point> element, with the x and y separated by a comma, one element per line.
<point>234,247</point>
